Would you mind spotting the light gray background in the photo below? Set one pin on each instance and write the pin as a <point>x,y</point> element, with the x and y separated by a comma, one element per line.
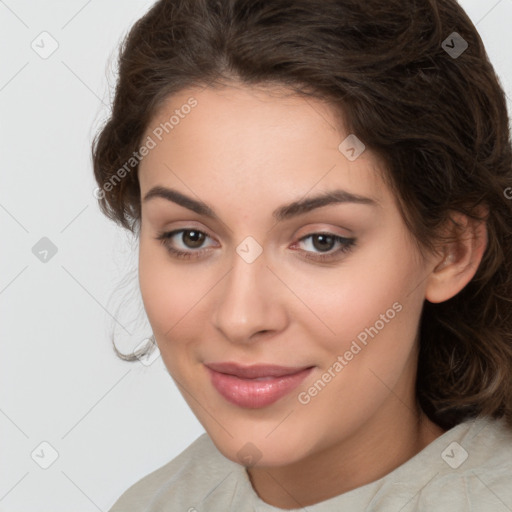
<point>111,422</point>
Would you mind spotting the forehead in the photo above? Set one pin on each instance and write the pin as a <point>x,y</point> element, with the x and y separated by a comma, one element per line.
<point>254,139</point>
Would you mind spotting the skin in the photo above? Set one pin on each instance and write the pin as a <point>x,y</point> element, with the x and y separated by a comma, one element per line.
<point>245,152</point>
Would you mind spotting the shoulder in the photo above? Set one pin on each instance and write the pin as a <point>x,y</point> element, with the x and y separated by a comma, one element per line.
<point>179,481</point>
<point>473,469</point>
<point>485,468</point>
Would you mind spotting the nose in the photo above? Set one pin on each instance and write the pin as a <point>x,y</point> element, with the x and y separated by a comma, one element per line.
<point>249,302</point>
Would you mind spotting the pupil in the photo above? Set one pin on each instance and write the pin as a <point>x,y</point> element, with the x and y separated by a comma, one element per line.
<point>195,237</point>
<point>323,239</point>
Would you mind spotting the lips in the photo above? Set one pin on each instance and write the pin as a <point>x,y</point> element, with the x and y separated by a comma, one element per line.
<point>255,371</point>
<point>255,386</point>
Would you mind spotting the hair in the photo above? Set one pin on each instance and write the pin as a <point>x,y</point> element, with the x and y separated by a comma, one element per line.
<point>437,120</point>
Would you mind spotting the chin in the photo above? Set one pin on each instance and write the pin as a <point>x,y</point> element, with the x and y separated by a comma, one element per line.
<point>259,450</point>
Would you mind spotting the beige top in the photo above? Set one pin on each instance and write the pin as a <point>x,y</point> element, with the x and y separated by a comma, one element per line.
<point>468,468</point>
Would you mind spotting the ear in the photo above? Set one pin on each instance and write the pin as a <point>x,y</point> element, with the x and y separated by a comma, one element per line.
<point>457,261</point>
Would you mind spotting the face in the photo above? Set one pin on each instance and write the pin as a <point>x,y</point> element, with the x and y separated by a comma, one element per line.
<point>330,290</point>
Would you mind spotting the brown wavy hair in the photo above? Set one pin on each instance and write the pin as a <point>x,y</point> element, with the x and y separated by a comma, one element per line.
<point>439,122</point>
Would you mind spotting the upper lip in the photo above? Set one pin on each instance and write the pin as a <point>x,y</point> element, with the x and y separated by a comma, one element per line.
<point>256,370</point>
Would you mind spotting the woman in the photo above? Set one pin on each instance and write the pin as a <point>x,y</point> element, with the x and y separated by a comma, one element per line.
<point>319,192</point>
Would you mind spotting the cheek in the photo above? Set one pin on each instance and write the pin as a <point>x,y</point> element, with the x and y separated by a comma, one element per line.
<point>374,316</point>
<point>350,301</point>
<point>379,323</point>
<point>171,293</point>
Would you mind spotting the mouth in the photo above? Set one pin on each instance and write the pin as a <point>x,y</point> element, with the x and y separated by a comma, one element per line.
<point>255,386</point>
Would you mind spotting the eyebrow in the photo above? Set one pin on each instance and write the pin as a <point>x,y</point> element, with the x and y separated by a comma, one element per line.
<point>282,213</point>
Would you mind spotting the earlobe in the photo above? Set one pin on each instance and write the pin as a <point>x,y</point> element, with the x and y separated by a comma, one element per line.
<point>459,259</point>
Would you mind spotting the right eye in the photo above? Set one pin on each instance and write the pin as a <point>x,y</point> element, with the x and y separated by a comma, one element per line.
<point>190,239</point>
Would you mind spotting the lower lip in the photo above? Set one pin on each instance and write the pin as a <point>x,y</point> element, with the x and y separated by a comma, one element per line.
<point>254,393</point>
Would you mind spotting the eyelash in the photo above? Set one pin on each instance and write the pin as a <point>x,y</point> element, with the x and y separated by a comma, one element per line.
<point>347,245</point>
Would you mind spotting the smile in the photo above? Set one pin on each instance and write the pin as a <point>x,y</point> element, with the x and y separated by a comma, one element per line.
<point>255,386</point>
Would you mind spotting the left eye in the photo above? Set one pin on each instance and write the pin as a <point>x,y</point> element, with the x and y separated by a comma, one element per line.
<point>324,243</point>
